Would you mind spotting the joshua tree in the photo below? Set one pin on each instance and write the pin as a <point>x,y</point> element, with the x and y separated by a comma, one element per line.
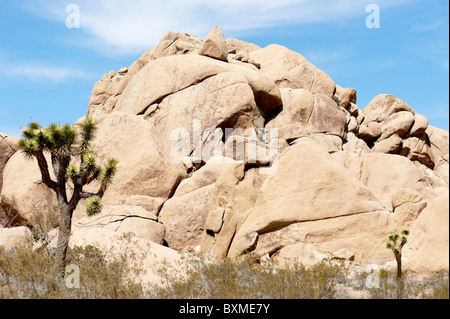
<point>397,248</point>
<point>65,143</point>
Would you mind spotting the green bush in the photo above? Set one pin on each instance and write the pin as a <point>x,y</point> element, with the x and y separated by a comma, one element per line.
<point>32,274</point>
<point>244,279</point>
<point>29,274</point>
<point>391,287</point>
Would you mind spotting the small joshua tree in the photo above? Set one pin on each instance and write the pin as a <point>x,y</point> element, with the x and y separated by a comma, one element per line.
<point>64,143</point>
<point>397,248</point>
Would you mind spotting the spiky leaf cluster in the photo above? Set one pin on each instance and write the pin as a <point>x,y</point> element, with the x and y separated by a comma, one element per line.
<point>393,238</point>
<point>94,206</point>
<point>64,143</point>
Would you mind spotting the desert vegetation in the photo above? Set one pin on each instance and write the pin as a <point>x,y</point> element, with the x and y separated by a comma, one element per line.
<point>65,144</point>
<point>30,273</point>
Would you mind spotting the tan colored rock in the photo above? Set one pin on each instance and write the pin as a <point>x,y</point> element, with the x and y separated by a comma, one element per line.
<point>439,140</point>
<point>369,132</point>
<point>439,144</point>
<point>149,256</point>
<point>353,126</point>
<point>171,43</point>
<point>385,174</point>
<point>164,76</point>
<point>419,127</point>
<point>21,180</point>
<point>427,249</point>
<point>184,217</point>
<point>304,113</point>
<point>355,144</point>
<point>329,143</point>
<point>146,174</point>
<point>185,214</point>
<point>242,56</point>
<point>345,96</point>
<point>289,69</point>
<point>365,133</point>
<point>266,93</point>
<point>8,146</point>
<point>222,197</point>
<point>125,219</point>
<point>249,151</point>
<point>280,203</point>
<point>398,123</point>
<point>417,149</point>
<point>105,94</point>
<point>214,45</point>
<point>407,204</point>
<point>442,169</point>
<point>382,106</point>
<point>328,237</point>
<point>224,100</point>
<point>214,220</point>
<point>353,109</point>
<point>235,45</point>
<point>10,237</point>
<point>390,145</point>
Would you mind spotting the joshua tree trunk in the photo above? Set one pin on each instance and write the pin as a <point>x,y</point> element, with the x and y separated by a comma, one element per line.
<point>398,258</point>
<point>64,236</point>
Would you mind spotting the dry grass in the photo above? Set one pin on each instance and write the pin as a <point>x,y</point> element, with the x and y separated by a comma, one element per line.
<point>32,274</point>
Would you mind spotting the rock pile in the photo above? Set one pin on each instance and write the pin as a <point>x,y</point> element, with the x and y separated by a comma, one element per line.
<point>311,173</point>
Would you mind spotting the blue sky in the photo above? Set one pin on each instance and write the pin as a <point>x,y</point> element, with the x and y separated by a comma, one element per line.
<point>47,70</point>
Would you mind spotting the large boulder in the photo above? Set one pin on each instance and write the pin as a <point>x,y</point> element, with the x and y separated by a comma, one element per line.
<point>427,249</point>
<point>386,174</point>
<point>304,113</point>
<point>124,219</point>
<point>345,96</point>
<point>398,123</point>
<point>191,125</point>
<point>164,76</point>
<point>382,106</point>
<point>146,174</point>
<point>22,185</point>
<point>289,69</point>
<point>214,45</point>
<point>223,101</point>
<point>8,146</point>
<point>298,193</point>
<point>10,237</point>
<point>106,93</point>
<point>148,256</point>
<point>439,145</point>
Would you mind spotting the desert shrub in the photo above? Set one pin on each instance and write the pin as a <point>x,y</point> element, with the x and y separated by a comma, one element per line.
<point>244,279</point>
<point>30,274</point>
<point>392,287</point>
<point>436,286</point>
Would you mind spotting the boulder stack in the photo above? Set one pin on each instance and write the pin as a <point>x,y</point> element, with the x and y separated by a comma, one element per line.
<point>235,149</point>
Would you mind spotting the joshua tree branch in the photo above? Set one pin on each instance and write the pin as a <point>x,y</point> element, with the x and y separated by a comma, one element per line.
<point>43,167</point>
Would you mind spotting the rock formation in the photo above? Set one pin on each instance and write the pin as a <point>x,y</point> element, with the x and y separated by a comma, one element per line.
<point>236,149</point>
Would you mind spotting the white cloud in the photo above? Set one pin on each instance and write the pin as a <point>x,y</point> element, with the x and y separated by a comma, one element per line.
<point>39,72</point>
<point>133,26</point>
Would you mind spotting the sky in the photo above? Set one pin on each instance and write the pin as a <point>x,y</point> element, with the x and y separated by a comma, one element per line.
<point>52,52</point>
